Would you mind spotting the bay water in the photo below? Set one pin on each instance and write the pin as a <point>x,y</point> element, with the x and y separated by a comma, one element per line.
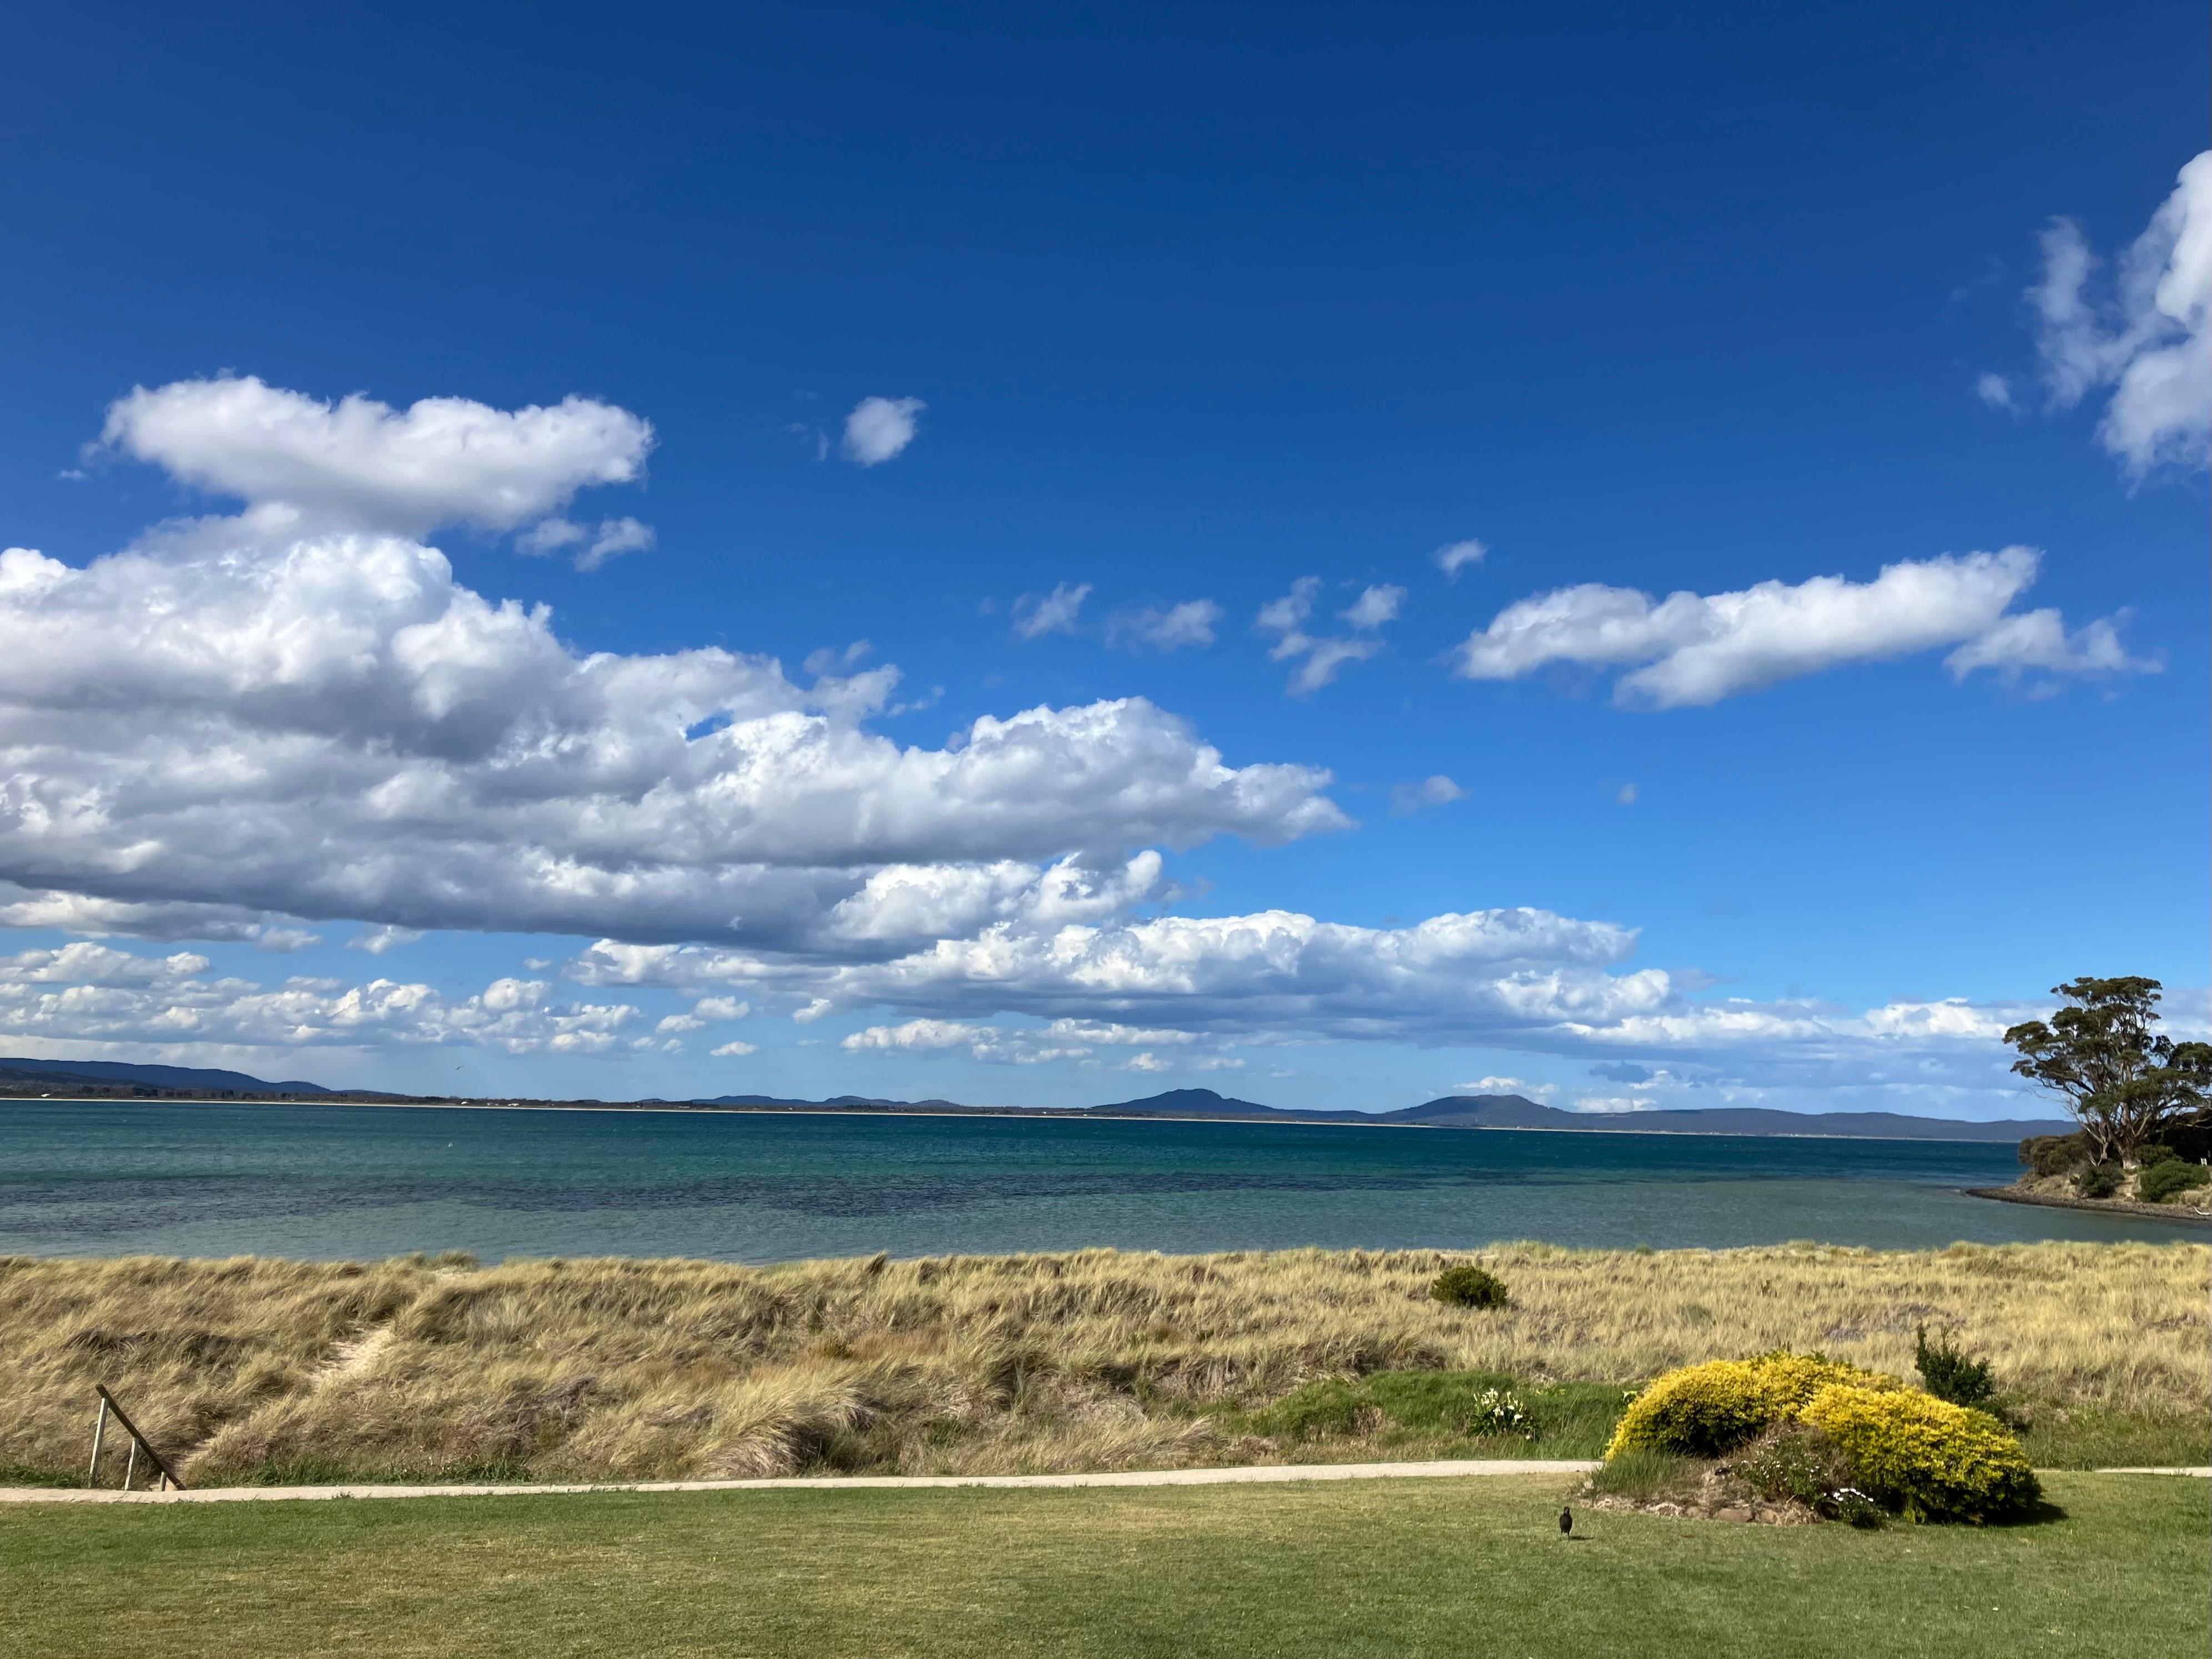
<point>111,1178</point>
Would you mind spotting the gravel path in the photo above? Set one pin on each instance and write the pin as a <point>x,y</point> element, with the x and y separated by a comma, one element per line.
<point>1256,1473</point>
<point>1273,1472</point>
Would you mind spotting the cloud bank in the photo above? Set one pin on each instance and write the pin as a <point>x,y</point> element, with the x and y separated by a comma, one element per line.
<point>237,718</point>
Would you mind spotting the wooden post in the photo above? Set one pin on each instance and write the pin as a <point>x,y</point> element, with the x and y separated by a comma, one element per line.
<point>139,1440</point>
<point>99,1434</point>
<point>131,1464</point>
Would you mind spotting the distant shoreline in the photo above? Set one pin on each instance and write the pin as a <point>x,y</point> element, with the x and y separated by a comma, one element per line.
<point>1044,1114</point>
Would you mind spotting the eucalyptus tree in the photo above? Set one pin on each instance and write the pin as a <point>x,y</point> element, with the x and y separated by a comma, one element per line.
<point>2123,1081</point>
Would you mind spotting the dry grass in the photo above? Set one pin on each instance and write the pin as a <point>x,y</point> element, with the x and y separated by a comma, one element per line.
<point>260,1369</point>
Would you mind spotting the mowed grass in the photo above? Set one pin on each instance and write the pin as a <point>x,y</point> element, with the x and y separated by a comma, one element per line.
<point>1401,1568</point>
<point>260,1370</point>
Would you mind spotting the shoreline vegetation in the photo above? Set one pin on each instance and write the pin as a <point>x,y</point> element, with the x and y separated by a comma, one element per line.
<point>249,1370</point>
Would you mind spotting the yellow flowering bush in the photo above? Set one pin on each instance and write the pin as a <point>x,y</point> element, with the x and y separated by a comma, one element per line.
<point>1924,1456</point>
<point>1702,1411</point>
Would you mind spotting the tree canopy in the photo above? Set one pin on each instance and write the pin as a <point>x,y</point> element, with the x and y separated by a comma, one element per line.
<point>2122,1080</point>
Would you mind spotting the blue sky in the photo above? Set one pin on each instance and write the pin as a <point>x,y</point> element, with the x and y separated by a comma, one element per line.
<point>1179,307</point>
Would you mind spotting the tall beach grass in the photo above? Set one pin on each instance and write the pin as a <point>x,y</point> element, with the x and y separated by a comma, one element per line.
<point>254,1369</point>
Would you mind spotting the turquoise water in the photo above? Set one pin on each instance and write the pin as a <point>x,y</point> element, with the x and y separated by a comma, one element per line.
<point>105,1178</point>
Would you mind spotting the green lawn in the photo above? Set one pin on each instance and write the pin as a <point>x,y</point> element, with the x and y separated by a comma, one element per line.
<point>1400,1568</point>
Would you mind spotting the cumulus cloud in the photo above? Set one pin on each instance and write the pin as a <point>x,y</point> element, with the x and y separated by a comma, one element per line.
<point>1693,649</point>
<point>233,724</point>
<point>2146,336</point>
<point>1036,615</point>
<point>734,1050</point>
<point>1151,628</point>
<point>1057,1040</point>
<point>1494,971</point>
<point>1320,658</point>
<point>93,996</point>
<point>1438,791</point>
<point>880,428</point>
<point>363,465</point>
<point>1457,556</point>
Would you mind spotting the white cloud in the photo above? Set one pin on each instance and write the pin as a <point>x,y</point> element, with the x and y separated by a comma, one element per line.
<point>1457,556</point>
<point>1437,791</point>
<point>734,1050</point>
<point>1626,794</point>
<point>830,660</point>
<point>1039,1045</point>
<point>2150,340</point>
<point>880,428</point>
<point>231,724</point>
<point>1691,649</point>
<point>1190,623</point>
<point>94,996</point>
<point>1995,390</point>
<point>377,940</point>
<point>2038,640</point>
<point>1498,1085</point>
<point>1273,973</point>
<point>359,463</point>
<point>614,538</point>
<point>1052,613</point>
<point>1374,607</point>
<point>1320,658</point>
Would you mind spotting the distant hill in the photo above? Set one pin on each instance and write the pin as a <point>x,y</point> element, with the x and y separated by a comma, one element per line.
<point>1517,1112</point>
<point>1205,1102</point>
<point>1512,1112</point>
<point>838,1102</point>
<point>110,1073</point>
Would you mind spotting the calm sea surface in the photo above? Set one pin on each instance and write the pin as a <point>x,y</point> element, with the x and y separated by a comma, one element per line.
<point>104,1178</point>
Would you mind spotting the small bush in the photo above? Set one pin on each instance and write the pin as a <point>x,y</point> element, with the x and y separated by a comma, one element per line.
<point>2098,1181</point>
<point>1795,1461</point>
<point>1470,1287</point>
<point>2162,1182</point>
<point>1950,1375</point>
<point>1500,1411</point>
<point>1800,1462</point>
<point>1703,1411</point>
<point>2149,1157</point>
<point>1924,1457</point>
<point>2054,1155</point>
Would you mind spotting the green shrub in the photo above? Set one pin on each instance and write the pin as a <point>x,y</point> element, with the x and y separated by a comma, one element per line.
<point>2162,1182</point>
<point>2053,1155</point>
<point>1470,1287</point>
<point>1928,1459</point>
<point>1703,1411</point>
<point>2149,1157</point>
<point>1949,1375</point>
<point>1329,1405</point>
<point>2098,1181</point>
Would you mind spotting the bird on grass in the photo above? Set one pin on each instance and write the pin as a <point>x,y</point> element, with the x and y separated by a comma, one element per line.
<point>1566,1521</point>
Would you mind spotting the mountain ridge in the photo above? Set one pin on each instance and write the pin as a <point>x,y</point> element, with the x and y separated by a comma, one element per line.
<point>1444,1112</point>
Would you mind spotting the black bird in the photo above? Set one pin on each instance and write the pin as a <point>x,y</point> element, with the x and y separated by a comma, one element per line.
<point>1566,1521</point>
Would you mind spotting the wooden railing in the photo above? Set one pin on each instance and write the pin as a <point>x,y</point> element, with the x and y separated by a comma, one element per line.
<point>138,1443</point>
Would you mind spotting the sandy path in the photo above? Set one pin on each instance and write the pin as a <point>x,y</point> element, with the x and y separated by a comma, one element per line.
<point>1262,1472</point>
